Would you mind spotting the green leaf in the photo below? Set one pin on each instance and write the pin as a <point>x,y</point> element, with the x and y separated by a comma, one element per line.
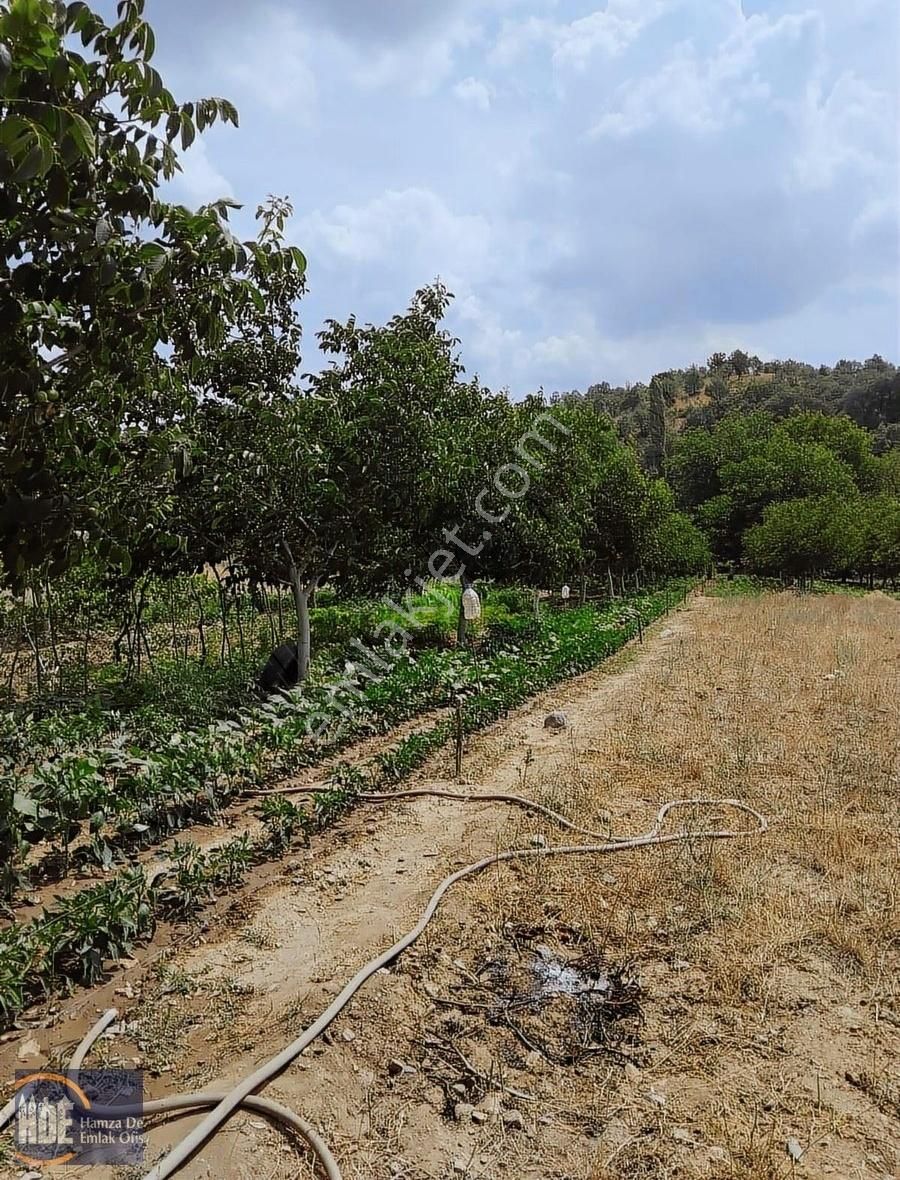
<point>83,136</point>
<point>102,232</point>
<point>188,131</point>
<point>299,259</point>
<point>31,165</point>
<point>154,257</point>
<point>75,15</point>
<point>25,805</point>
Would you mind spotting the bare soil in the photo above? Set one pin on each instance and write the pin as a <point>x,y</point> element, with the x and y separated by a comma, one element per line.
<point>689,1011</point>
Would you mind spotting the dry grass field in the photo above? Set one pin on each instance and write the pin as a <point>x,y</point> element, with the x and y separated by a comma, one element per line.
<point>769,971</point>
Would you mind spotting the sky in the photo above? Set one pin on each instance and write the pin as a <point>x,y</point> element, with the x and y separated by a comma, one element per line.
<point>609,189</point>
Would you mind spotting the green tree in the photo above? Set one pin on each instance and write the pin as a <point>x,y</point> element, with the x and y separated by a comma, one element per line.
<point>345,480</point>
<point>693,382</point>
<point>108,293</point>
<point>880,527</point>
<point>657,425</point>
<point>543,541</point>
<point>806,537</point>
<point>740,363</point>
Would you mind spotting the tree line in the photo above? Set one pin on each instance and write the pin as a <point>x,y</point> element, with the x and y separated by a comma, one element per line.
<point>155,417</point>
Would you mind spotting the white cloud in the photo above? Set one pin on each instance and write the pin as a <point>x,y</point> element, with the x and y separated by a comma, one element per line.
<point>272,65</point>
<point>488,338</point>
<point>419,67</point>
<point>741,178</point>
<point>412,228</point>
<point>517,37</point>
<point>199,180</point>
<point>609,31</point>
<point>474,91</point>
<point>700,91</point>
<point>849,126</point>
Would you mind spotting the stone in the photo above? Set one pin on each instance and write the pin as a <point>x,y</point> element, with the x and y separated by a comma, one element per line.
<point>397,1068</point>
<point>460,1167</point>
<point>556,720</point>
<point>513,1120</point>
<point>538,841</point>
<point>463,1112</point>
<point>29,1048</point>
<point>632,1074</point>
<point>479,1116</point>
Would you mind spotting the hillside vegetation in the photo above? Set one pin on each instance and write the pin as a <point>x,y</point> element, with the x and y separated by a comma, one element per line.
<point>867,392</point>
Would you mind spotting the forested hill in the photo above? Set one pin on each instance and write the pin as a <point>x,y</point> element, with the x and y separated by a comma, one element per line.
<point>868,392</point>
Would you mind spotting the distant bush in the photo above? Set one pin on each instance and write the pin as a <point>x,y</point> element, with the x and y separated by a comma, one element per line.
<point>517,600</point>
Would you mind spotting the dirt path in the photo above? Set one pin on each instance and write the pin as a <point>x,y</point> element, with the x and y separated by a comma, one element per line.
<point>218,1010</point>
<point>304,940</point>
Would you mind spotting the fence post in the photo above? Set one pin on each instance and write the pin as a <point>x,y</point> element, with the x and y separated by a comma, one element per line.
<point>459,738</point>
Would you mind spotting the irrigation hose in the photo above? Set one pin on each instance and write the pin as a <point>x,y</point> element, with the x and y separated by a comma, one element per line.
<point>195,1139</point>
<point>225,1102</point>
<point>461,796</point>
<point>266,1106</point>
<point>75,1064</point>
<point>487,797</point>
<point>87,1043</point>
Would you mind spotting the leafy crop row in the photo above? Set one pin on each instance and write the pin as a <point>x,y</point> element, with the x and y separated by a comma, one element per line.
<point>117,797</point>
<point>74,936</point>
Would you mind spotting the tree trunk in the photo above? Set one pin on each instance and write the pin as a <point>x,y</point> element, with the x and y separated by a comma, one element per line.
<point>225,641</point>
<point>202,634</point>
<point>582,597</point>
<point>462,626</point>
<point>301,592</point>
<point>172,619</point>
<point>85,652</point>
<point>51,627</point>
<point>240,625</point>
<point>139,624</point>
<point>612,591</point>
<point>12,670</point>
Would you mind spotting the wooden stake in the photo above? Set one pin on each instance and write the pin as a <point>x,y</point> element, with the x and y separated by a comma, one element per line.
<point>459,739</point>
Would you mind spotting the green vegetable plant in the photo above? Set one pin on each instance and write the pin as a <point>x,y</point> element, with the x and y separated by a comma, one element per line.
<point>282,819</point>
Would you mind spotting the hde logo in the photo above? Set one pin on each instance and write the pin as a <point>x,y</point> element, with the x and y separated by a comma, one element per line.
<point>44,1118</point>
<point>97,1119</point>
